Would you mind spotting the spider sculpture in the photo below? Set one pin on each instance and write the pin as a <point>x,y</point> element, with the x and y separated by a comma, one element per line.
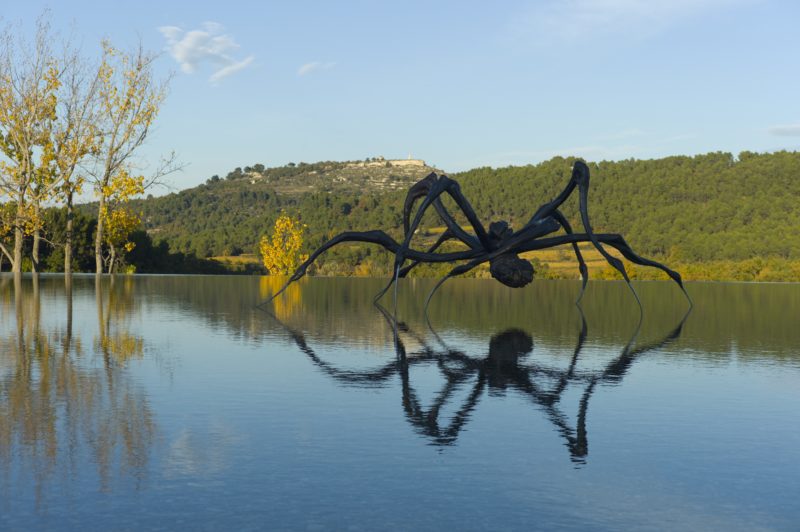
<point>500,246</point>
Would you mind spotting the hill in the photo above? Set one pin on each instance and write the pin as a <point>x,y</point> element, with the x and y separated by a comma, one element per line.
<point>376,174</point>
<point>705,209</point>
<point>228,216</point>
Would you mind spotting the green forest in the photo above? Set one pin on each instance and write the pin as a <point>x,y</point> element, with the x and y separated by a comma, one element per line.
<point>715,216</point>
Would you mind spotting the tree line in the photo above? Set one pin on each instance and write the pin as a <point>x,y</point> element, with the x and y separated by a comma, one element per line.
<point>714,216</point>
<point>717,215</point>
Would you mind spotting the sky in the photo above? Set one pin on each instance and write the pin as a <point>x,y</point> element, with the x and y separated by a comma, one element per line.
<point>460,84</point>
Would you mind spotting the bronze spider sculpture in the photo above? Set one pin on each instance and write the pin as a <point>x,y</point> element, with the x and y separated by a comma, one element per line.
<point>500,246</point>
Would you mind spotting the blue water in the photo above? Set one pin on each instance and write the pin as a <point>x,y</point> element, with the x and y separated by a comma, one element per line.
<point>170,402</point>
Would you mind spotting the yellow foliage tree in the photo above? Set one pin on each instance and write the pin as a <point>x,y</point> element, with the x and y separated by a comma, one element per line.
<point>281,252</point>
<point>129,100</point>
<point>75,137</point>
<point>119,221</point>
<point>29,82</point>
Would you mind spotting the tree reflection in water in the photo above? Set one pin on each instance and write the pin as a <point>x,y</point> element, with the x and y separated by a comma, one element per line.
<point>507,366</point>
<point>288,303</point>
<point>58,407</point>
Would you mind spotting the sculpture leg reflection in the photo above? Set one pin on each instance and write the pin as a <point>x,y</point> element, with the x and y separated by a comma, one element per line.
<point>507,367</point>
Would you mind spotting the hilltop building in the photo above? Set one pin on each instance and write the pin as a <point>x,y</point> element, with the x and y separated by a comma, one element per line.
<point>381,161</point>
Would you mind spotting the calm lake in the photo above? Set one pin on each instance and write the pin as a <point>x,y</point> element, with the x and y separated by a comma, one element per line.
<point>172,402</point>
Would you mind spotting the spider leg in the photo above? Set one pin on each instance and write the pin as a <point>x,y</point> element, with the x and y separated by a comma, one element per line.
<point>447,235</point>
<point>581,263</point>
<point>435,189</point>
<point>445,185</point>
<point>548,208</point>
<point>613,240</point>
<point>421,189</point>
<point>618,241</point>
<point>580,179</point>
<point>580,174</point>
<point>454,230</point>
<point>453,226</point>
<point>372,237</point>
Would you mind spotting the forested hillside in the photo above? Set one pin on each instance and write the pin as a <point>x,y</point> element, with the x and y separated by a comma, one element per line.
<point>702,208</point>
<point>713,216</point>
<point>693,210</point>
<point>228,216</point>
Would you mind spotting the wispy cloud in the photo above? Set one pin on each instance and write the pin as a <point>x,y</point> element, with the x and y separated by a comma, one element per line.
<point>792,130</point>
<point>313,66</point>
<point>230,69</point>
<point>193,48</point>
<point>581,20</point>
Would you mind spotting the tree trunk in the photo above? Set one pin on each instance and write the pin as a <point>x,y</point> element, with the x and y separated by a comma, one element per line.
<point>68,238</point>
<point>37,237</point>
<point>98,238</point>
<point>19,235</point>
<point>16,264</point>
<point>112,266</point>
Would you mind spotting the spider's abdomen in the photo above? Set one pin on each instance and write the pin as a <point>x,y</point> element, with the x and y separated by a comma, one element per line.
<point>511,270</point>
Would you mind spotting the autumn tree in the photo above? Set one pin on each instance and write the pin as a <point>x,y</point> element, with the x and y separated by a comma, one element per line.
<point>50,130</point>
<point>29,81</point>
<point>118,218</point>
<point>75,138</point>
<point>129,100</point>
<point>281,251</point>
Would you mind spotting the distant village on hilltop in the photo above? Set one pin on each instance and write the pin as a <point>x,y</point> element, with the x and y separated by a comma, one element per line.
<point>381,161</point>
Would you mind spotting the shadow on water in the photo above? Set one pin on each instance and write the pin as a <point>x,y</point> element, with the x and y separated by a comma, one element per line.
<point>509,365</point>
<point>63,402</point>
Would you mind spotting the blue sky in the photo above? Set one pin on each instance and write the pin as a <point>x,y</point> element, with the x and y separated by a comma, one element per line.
<point>459,84</point>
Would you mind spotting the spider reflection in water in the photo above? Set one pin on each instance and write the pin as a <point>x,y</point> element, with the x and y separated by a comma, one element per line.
<point>507,367</point>
<point>500,246</point>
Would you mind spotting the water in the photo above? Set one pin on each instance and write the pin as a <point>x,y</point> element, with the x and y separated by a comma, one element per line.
<point>171,402</point>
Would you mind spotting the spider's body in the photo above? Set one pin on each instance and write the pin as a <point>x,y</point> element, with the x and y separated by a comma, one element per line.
<point>511,270</point>
<point>500,246</point>
<point>508,268</point>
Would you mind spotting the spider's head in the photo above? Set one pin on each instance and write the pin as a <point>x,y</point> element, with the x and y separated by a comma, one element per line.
<point>499,231</point>
<point>511,270</point>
